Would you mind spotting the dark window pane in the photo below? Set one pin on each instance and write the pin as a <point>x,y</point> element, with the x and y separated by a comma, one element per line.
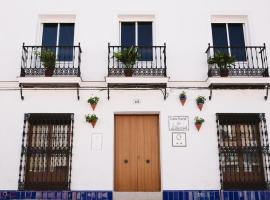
<point>49,35</point>
<point>66,38</point>
<point>220,39</point>
<point>127,33</point>
<point>145,39</point>
<point>237,41</point>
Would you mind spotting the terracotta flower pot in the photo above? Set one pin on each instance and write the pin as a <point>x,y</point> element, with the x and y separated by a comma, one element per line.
<point>93,105</point>
<point>49,72</point>
<point>128,72</point>
<point>198,126</point>
<point>93,123</point>
<point>200,105</point>
<point>183,101</point>
<point>224,72</point>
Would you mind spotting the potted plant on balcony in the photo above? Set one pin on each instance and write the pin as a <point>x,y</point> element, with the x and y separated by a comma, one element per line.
<point>224,61</point>
<point>200,100</point>
<point>183,98</point>
<point>128,58</point>
<point>91,119</point>
<point>93,102</point>
<point>47,57</point>
<point>198,122</point>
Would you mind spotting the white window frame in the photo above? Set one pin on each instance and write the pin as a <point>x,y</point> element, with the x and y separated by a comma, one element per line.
<point>56,19</point>
<point>232,19</point>
<point>136,19</point>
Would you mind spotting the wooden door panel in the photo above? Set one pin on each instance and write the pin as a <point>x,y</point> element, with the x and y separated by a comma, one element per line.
<point>150,155</point>
<point>137,140</point>
<point>125,162</point>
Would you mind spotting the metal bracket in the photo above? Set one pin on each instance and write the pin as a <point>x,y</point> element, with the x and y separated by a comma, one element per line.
<point>22,97</point>
<point>108,93</point>
<point>164,93</point>
<point>78,93</point>
<point>211,92</point>
<point>267,88</point>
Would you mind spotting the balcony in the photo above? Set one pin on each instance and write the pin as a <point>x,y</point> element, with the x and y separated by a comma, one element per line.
<point>67,61</point>
<point>149,70</point>
<point>249,67</point>
<point>50,66</point>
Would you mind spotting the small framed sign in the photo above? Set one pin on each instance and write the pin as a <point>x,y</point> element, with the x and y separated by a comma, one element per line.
<point>178,123</point>
<point>179,139</point>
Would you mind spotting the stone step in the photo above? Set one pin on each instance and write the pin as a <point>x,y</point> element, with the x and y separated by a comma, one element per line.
<point>137,195</point>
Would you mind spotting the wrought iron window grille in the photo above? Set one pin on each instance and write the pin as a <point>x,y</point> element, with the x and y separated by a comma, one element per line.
<point>46,154</point>
<point>243,145</point>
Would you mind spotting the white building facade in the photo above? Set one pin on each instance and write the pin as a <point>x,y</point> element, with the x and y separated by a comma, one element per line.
<point>144,140</point>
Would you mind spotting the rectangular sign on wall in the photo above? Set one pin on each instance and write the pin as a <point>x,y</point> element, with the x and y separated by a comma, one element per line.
<point>179,139</point>
<point>178,123</point>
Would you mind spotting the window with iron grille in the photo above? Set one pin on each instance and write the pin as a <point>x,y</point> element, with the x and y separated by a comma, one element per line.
<point>46,152</point>
<point>243,151</point>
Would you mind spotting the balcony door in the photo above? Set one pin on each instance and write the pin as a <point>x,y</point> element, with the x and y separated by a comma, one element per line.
<point>138,34</point>
<point>229,38</point>
<point>61,35</point>
<point>137,153</point>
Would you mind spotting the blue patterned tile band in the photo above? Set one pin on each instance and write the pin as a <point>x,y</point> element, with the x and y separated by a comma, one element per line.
<point>59,195</point>
<point>215,195</point>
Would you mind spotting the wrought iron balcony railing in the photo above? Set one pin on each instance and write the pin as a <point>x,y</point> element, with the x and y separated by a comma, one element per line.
<point>249,61</point>
<point>67,60</point>
<point>151,62</point>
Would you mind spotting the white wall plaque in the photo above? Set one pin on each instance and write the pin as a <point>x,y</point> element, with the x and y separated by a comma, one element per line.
<point>179,139</point>
<point>96,142</point>
<point>178,123</point>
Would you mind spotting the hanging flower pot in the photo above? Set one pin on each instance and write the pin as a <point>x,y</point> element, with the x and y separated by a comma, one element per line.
<point>198,122</point>
<point>200,100</point>
<point>183,98</point>
<point>198,126</point>
<point>93,102</point>
<point>92,119</point>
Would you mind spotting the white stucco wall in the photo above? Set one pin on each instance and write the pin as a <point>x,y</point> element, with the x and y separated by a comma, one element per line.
<point>185,27</point>
<point>191,167</point>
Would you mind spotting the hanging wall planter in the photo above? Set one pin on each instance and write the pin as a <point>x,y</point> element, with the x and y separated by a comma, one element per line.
<point>198,122</point>
<point>92,119</point>
<point>183,98</point>
<point>200,100</point>
<point>93,102</point>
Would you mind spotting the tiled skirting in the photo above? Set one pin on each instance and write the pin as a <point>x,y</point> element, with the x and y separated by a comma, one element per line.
<point>65,195</point>
<point>167,195</point>
<point>215,195</point>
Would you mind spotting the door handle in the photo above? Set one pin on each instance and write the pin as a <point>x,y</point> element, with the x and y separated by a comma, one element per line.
<point>147,161</point>
<point>125,161</point>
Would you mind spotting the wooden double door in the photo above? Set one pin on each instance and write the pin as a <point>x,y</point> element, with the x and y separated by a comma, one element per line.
<point>137,162</point>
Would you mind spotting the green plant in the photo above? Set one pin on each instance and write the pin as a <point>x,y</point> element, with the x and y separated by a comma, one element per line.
<point>47,57</point>
<point>127,56</point>
<point>222,60</point>
<point>183,95</point>
<point>198,120</point>
<point>200,99</point>
<point>93,100</point>
<point>91,118</point>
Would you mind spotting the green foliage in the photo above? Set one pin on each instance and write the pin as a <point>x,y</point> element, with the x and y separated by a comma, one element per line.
<point>183,95</point>
<point>127,56</point>
<point>91,118</point>
<point>200,99</point>
<point>198,120</point>
<point>222,60</point>
<point>47,57</point>
<point>93,100</point>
